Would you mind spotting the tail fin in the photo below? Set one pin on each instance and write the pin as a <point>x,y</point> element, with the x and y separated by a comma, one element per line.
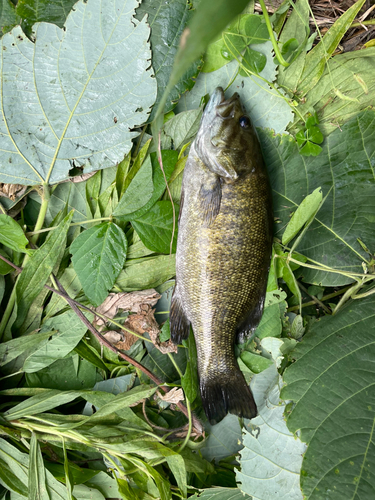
<point>221,395</point>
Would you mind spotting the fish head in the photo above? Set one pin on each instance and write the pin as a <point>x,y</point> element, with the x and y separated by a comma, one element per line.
<point>225,136</point>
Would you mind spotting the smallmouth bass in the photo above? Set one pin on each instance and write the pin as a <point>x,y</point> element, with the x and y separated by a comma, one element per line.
<point>223,252</point>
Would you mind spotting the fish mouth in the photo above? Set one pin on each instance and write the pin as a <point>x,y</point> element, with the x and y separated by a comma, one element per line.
<point>219,106</point>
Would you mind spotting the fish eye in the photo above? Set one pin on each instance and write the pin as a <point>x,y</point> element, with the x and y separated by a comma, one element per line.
<point>244,121</point>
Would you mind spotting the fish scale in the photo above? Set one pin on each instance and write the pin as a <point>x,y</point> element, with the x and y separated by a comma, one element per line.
<point>223,252</point>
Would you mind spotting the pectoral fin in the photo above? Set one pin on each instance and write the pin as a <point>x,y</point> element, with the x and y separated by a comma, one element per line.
<point>210,199</point>
<point>179,324</point>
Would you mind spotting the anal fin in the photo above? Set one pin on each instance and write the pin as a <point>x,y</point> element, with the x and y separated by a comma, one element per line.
<point>210,199</point>
<point>179,324</point>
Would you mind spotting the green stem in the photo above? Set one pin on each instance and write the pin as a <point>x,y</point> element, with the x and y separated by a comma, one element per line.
<point>370,22</point>
<point>326,297</point>
<point>41,216</point>
<point>272,37</point>
<point>81,223</point>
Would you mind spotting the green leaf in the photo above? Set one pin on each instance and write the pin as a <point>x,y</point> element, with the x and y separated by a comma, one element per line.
<point>63,373</point>
<point>12,236</point>
<point>8,16</point>
<point>189,380</point>
<point>70,330</point>
<point>13,348</point>
<point>149,272</point>
<point>302,215</point>
<point>315,135</point>
<point>354,75</point>
<point>139,191</point>
<point>169,159</point>
<point>37,270</point>
<point>155,227</point>
<point>72,286</point>
<point>316,59</point>
<point>263,104</point>
<point>270,325</point>
<point>33,11</point>
<point>13,468</point>
<point>41,402</point>
<point>224,439</point>
<point>98,255</point>
<point>255,362</point>
<point>167,21</point>
<point>37,473</point>
<point>79,108</point>
<point>344,170</point>
<point>221,494</point>
<point>310,149</point>
<point>332,385</point>
<point>252,61</point>
<point>271,458</point>
<point>183,127</point>
<point>165,332</point>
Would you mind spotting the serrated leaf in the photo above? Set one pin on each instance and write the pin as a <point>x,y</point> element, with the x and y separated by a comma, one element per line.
<point>155,227</point>
<point>98,255</point>
<point>183,127</point>
<point>345,170</point>
<point>33,11</point>
<point>339,432</point>
<point>8,16</point>
<point>303,214</point>
<point>224,439</point>
<point>37,270</point>
<point>80,106</point>
<point>12,236</point>
<point>271,458</point>
<point>70,330</point>
<point>264,105</point>
<point>167,21</point>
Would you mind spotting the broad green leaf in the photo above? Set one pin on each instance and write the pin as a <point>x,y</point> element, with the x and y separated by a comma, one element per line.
<point>12,236</point>
<point>8,16</point>
<point>79,474</point>
<point>33,11</point>
<point>169,159</point>
<point>332,385</point>
<point>221,494</point>
<point>317,57</point>
<point>264,105</point>
<point>114,386</point>
<point>70,330</point>
<point>189,380</point>
<point>105,484</point>
<point>80,107</point>
<point>354,74</point>
<point>63,373</point>
<point>90,354</point>
<point>84,492</point>
<point>345,171</point>
<point>303,214</point>
<point>161,366</point>
<point>37,474</point>
<point>149,272</point>
<point>98,255</point>
<point>224,439</point>
<point>37,270</point>
<point>155,227</point>
<point>15,347</point>
<point>167,21</point>
<point>252,61</point>
<point>4,267</point>
<point>271,458</point>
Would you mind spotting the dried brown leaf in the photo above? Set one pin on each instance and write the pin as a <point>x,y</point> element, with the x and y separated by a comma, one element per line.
<point>12,191</point>
<point>132,302</point>
<point>174,396</point>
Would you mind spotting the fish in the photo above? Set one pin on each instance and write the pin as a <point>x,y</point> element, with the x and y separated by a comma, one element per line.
<point>223,252</point>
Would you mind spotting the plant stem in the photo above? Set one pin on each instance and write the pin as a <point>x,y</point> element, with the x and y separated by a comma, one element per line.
<point>315,299</point>
<point>272,37</point>
<point>41,216</point>
<point>326,297</point>
<point>81,223</point>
